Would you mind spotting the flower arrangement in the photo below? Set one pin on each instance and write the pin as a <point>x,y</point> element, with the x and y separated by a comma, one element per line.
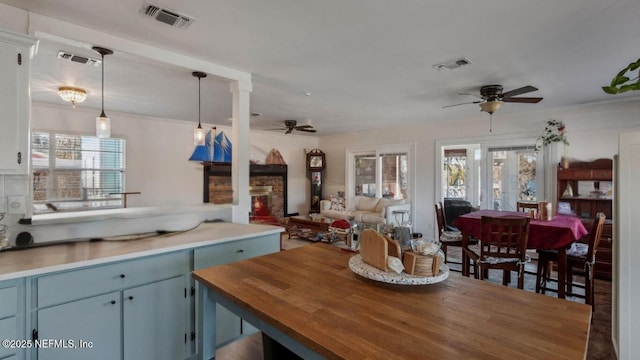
<point>553,132</point>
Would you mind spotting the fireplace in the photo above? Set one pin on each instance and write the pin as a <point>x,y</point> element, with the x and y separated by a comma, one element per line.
<point>267,185</point>
<point>261,200</point>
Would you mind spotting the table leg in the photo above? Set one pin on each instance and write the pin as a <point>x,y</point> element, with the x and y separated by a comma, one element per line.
<point>465,257</point>
<point>562,271</point>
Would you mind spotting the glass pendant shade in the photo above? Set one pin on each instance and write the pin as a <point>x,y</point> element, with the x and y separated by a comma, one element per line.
<point>198,133</point>
<point>198,136</point>
<point>103,126</point>
<point>103,123</point>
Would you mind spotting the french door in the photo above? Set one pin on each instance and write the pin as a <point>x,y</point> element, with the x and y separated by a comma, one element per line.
<point>491,174</point>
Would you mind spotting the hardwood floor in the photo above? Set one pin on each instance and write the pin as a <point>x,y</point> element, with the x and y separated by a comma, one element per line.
<point>599,347</point>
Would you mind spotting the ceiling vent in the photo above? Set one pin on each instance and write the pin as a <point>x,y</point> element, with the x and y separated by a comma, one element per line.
<point>167,16</point>
<point>64,55</point>
<point>450,65</point>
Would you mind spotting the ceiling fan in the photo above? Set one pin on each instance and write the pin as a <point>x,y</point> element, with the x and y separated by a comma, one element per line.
<point>291,125</point>
<point>492,97</point>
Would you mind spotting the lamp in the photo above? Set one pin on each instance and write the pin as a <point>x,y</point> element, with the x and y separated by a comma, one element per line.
<point>198,133</point>
<point>103,123</point>
<point>491,106</point>
<point>72,94</point>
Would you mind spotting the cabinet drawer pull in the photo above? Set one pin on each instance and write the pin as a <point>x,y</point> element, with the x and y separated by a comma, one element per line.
<point>121,276</point>
<point>130,297</point>
<point>239,251</point>
<point>113,302</point>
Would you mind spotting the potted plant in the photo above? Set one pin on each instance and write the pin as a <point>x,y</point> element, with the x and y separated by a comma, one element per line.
<point>622,83</point>
<point>554,132</point>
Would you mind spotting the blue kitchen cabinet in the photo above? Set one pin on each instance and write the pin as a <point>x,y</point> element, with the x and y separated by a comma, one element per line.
<point>229,326</point>
<point>11,317</point>
<point>95,320</point>
<point>133,309</point>
<point>154,320</point>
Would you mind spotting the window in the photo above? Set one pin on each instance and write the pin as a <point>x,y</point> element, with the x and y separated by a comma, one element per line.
<point>75,172</point>
<point>380,172</point>
<point>491,174</point>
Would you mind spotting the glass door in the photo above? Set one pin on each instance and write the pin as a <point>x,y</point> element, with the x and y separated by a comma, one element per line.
<point>365,175</point>
<point>513,176</point>
<point>491,174</point>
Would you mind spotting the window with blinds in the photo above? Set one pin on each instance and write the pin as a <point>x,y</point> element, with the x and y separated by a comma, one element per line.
<point>76,172</point>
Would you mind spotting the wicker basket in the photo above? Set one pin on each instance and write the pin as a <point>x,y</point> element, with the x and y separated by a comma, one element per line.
<point>421,265</point>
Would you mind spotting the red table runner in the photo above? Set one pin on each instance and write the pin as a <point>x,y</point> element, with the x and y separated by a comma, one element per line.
<point>561,231</point>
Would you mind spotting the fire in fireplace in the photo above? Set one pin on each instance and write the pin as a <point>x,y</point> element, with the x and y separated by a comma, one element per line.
<point>260,200</point>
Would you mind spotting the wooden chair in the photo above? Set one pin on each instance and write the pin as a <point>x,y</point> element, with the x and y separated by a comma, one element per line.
<point>526,206</point>
<point>581,256</point>
<point>447,237</point>
<point>503,245</point>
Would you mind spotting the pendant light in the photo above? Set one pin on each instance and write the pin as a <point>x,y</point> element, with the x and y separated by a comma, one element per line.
<point>103,123</point>
<point>198,133</point>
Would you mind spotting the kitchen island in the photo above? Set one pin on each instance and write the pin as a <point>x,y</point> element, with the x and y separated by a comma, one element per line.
<point>127,298</point>
<point>308,300</point>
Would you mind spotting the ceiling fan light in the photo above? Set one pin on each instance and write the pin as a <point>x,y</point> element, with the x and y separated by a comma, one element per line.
<point>72,94</point>
<point>491,106</point>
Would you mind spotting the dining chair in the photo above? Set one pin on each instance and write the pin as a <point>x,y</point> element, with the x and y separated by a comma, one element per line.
<point>526,206</point>
<point>448,237</point>
<point>580,256</point>
<point>503,246</point>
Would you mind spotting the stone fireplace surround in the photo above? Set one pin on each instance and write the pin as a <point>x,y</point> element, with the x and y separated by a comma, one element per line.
<point>217,187</point>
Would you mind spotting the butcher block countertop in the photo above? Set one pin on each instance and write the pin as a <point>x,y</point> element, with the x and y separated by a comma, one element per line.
<point>310,295</point>
<point>65,256</point>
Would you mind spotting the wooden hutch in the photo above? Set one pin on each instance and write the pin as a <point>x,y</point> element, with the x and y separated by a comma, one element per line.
<point>588,189</point>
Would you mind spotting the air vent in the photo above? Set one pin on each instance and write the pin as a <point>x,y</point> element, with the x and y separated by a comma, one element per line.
<point>167,16</point>
<point>450,65</point>
<point>64,55</point>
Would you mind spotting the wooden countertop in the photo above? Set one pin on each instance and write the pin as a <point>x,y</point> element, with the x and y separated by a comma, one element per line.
<point>311,295</point>
<point>65,256</point>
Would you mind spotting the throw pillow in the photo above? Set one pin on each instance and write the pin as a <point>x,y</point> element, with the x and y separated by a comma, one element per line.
<point>337,203</point>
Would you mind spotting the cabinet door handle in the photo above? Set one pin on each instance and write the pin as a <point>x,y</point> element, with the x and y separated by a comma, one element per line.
<point>121,276</point>
<point>113,302</point>
<point>239,251</point>
<point>130,297</point>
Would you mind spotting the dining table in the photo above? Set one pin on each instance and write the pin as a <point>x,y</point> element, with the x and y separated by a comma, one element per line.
<point>555,234</point>
<point>309,301</point>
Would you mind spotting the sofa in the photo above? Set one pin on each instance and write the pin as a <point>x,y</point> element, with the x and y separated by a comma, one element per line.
<point>365,209</point>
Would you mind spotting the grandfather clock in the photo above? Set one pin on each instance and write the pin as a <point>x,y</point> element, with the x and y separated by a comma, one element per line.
<point>315,165</point>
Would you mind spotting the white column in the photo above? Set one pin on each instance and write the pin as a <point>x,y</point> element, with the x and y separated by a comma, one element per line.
<point>625,319</point>
<point>241,91</point>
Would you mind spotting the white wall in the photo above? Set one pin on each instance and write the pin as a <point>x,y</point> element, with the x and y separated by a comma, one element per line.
<point>592,131</point>
<point>158,151</point>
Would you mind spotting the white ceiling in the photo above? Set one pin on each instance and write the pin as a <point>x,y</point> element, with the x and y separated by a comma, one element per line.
<point>366,63</point>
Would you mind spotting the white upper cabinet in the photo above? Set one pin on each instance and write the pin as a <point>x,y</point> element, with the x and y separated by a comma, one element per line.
<point>16,52</point>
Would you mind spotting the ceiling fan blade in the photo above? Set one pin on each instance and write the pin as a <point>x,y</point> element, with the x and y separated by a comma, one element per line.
<point>529,100</point>
<point>476,95</point>
<point>307,130</point>
<point>519,91</point>
<point>303,127</point>
<point>288,131</point>
<point>472,102</point>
